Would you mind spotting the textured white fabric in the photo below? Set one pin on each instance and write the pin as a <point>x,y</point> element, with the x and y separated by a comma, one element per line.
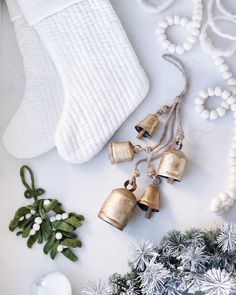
<point>31,130</point>
<point>102,79</point>
<point>36,10</point>
<point>14,10</point>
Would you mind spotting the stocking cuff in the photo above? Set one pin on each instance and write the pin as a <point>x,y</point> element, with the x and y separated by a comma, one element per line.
<point>14,10</point>
<point>36,10</point>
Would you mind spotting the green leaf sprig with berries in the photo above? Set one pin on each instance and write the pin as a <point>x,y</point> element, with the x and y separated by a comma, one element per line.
<point>46,221</point>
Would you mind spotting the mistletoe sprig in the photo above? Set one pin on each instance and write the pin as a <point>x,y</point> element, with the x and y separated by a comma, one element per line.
<point>46,221</point>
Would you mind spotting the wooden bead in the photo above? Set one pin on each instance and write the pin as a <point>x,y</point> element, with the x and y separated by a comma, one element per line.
<point>211,91</point>
<point>205,114</point>
<point>177,20</point>
<point>199,100</point>
<point>187,46</point>
<point>213,115</point>
<point>165,44</point>
<point>199,108</point>
<point>218,91</point>
<point>223,68</point>
<point>232,194</point>
<point>227,75</point>
<point>203,94</point>
<point>183,21</point>
<point>172,48</point>
<point>219,61</point>
<point>221,111</point>
<point>179,49</point>
<point>170,20</point>
<point>231,100</point>
<point>226,94</point>
<point>231,82</point>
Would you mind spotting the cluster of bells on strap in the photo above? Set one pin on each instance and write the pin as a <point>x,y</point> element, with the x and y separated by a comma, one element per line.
<point>119,206</point>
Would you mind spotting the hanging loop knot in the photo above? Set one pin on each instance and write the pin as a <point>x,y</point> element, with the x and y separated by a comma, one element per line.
<point>164,109</point>
<point>151,172</point>
<point>31,191</point>
<point>148,149</point>
<point>137,148</point>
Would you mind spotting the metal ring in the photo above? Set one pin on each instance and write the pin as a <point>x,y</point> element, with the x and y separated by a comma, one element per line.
<point>133,187</point>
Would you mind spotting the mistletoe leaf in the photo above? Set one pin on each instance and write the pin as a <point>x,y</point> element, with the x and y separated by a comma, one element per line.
<point>46,229</point>
<point>73,221</point>
<point>19,213</point>
<point>66,227</point>
<point>26,231</point>
<point>49,244</point>
<point>70,255</point>
<point>19,233</point>
<point>58,209</point>
<point>69,235</point>
<point>79,217</point>
<point>32,240</point>
<point>72,243</point>
<point>53,251</point>
<point>54,203</point>
<point>40,236</point>
<point>25,222</point>
<point>42,213</point>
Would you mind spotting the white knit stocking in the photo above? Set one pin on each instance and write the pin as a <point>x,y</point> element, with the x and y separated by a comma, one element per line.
<point>32,128</point>
<point>102,79</point>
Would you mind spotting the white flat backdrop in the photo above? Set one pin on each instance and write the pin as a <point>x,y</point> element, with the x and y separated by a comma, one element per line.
<point>83,188</point>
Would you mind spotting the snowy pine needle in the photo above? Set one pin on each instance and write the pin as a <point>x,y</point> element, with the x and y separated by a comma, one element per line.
<point>97,288</point>
<point>141,254</point>
<point>227,237</point>
<point>216,282</point>
<point>153,278</point>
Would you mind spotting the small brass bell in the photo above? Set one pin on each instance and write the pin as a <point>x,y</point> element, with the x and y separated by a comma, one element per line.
<point>120,152</point>
<point>172,165</point>
<point>119,207</point>
<point>150,201</point>
<point>147,127</point>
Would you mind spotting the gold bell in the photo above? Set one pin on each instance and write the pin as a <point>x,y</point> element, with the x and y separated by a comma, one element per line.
<point>119,207</point>
<point>147,127</point>
<point>120,152</point>
<point>172,165</point>
<point>150,201</point>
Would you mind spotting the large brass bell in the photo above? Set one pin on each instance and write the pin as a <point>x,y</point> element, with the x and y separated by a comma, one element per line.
<point>172,165</point>
<point>147,127</point>
<point>120,152</point>
<point>119,207</point>
<point>150,201</point>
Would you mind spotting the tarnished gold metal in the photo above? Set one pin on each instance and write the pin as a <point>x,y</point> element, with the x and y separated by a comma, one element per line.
<point>147,127</point>
<point>119,207</point>
<point>120,152</point>
<point>172,165</point>
<point>150,201</point>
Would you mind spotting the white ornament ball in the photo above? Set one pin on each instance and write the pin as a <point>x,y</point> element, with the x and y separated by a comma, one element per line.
<point>32,212</point>
<point>28,215</point>
<point>21,218</point>
<point>60,248</point>
<point>36,227</point>
<point>32,232</point>
<point>38,220</point>
<point>65,216</point>
<point>58,217</point>
<point>59,236</point>
<point>52,218</point>
<point>46,202</point>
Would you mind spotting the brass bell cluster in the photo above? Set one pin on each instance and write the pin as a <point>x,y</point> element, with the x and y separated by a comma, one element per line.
<point>120,205</point>
<point>121,152</point>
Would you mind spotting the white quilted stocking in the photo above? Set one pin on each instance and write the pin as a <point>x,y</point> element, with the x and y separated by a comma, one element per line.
<point>31,130</point>
<point>102,79</point>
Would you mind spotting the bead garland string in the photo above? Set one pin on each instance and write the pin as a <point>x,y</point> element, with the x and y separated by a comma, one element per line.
<point>173,133</point>
<point>192,25</point>
<point>154,9</point>
<point>225,200</point>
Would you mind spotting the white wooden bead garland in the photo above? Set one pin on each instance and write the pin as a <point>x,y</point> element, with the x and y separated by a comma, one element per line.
<point>192,25</point>
<point>225,200</point>
<point>154,9</point>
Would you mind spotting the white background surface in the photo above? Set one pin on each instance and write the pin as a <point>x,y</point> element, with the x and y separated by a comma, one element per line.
<point>83,188</point>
